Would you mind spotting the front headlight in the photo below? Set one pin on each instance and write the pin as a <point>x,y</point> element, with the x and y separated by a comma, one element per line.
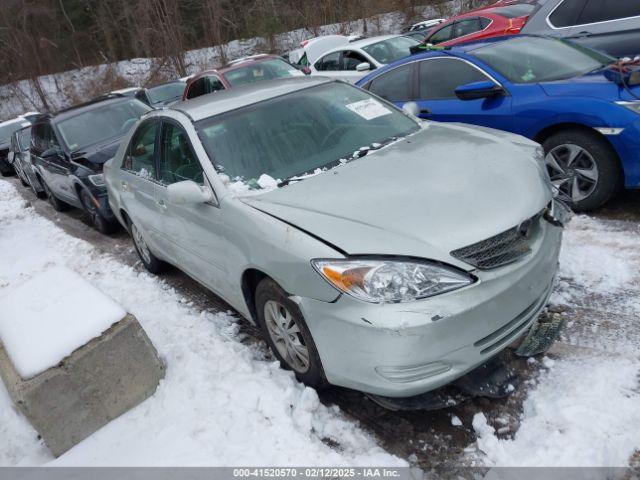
<point>97,180</point>
<point>390,281</point>
<point>633,106</point>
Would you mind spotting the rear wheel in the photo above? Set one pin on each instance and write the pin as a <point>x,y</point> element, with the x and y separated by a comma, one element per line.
<point>583,167</point>
<point>287,334</point>
<point>58,205</point>
<point>97,220</point>
<point>152,263</point>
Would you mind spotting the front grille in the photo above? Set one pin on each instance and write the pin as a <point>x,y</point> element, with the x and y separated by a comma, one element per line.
<point>502,249</point>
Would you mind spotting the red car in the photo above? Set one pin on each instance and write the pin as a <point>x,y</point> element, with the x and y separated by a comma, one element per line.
<point>239,72</point>
<point>501,18</point>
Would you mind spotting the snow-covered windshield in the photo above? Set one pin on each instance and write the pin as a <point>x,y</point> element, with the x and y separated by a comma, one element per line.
<point>538,59</point>
<point>296,134</point>
<point>165,93</point>
<point>6,130</point>
<point>390,50</point>
<point>100,124</point>
<point>258,71</point>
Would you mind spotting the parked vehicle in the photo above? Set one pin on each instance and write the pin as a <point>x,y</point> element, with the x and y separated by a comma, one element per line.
<point>330,219</point>
<point>6,130</point>
<point>492,21</point>
<point>311,49</point>
<point>612,26</point>
<point>69,149</point>
<point>546,89</point>
<point>156,97</point>
<point>20,158</point>
<point>351,62</point>
<point>426,24</point>
<point>240,72</point>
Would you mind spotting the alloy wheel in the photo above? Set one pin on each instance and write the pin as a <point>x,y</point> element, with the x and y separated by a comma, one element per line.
<point>141,245</point>
<point>286,336</point>
<point>573,171</point>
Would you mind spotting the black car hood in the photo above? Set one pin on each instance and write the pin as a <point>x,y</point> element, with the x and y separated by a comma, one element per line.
<point>100,152</point>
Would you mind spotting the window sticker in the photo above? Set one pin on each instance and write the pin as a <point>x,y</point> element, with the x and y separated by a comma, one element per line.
<point>369,109</point>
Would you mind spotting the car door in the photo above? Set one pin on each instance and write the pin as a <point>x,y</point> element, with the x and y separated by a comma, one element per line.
<point>56,168</point>
<point>194,229</point>
<point>612,26</point>
<point>349,60</point>
<point>138,180</point>
<point>437,80</point>
<point>396,85</point>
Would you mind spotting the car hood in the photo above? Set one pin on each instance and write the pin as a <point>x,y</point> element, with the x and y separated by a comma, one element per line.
<point>100,152</point>
<point>443,188</point>
<point>594,86</point>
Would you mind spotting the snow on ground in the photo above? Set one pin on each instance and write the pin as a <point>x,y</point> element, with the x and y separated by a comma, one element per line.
<point>221,403</point>
<point>584,410</point>
<point>67,313</point>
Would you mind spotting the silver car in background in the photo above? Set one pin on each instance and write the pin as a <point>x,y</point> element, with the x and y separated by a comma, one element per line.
<point>375,251</point>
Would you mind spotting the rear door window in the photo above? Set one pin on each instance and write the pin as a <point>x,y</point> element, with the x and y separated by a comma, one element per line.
<point>566,14</point>
<point>466,27</point>
<point>394,85</point>
<point>329,63</point>
<point>351,59</point>
<point>140,157</point>
<point>603,11</point>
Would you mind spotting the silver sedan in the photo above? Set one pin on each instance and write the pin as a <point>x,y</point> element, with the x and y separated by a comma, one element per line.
<point>375,251</point>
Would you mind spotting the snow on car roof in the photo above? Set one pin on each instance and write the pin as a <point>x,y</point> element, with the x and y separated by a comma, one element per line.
<point>39,332</point>
<point>226,100</point>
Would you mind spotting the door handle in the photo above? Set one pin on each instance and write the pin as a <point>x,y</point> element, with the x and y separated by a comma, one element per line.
<point>124,187</point>
<point>161,204</point>
<point>582,34</point>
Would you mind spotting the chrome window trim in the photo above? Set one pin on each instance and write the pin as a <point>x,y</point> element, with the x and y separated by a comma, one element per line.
<point>553,27</point>
<point>490,77</point>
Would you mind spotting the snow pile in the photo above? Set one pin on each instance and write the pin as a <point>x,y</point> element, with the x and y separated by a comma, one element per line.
<point>221,402</point>
<point>46,318</point>
<point>584,410</point>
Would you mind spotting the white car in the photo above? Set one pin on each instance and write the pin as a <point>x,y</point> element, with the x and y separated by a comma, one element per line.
<point>426,24</point>
<point>352,61</point>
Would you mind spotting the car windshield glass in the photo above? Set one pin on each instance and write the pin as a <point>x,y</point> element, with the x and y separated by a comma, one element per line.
<point>166,93</point>
<point>6,130</point>
<point>390,50</point>
<point>257,71</point>
<point>101,123</point>
<point>533,59</point>
<point>296,134</point>
<point>24,137</point>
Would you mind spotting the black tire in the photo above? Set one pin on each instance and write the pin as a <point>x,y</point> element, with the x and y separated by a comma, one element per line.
<point>152,263</point>
<point>100,223</point>
<point>606,161</point>
<point>58,205</point>
<point>24,184</point>
<point>267,291</point>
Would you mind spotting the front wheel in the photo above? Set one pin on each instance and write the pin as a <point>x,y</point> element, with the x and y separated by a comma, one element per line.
<point>583,167</point>
<point>97,220</point>
<point>287,334</point>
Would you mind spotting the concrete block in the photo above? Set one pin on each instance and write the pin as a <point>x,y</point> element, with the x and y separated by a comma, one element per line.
<point>95,384</point>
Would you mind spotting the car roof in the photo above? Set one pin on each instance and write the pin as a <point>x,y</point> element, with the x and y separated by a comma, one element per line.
<point>226,100</point>
<point>88,106</point>
<point>243,62</point>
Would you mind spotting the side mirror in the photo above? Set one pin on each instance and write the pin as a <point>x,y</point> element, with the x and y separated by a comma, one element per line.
<point>476,90</point>
<point>363,67</point>
<point>305,70</point>
<point>188,192</point>
<point>52,153</point>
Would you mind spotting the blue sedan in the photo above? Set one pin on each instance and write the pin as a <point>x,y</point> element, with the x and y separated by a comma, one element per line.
<point>546,89</point>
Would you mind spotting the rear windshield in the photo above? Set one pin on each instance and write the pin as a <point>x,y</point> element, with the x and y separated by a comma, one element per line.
<point>514,11</point>
<point>258,71</point>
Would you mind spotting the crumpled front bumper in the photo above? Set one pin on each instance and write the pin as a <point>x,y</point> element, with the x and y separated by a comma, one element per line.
<point>405,349</point>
